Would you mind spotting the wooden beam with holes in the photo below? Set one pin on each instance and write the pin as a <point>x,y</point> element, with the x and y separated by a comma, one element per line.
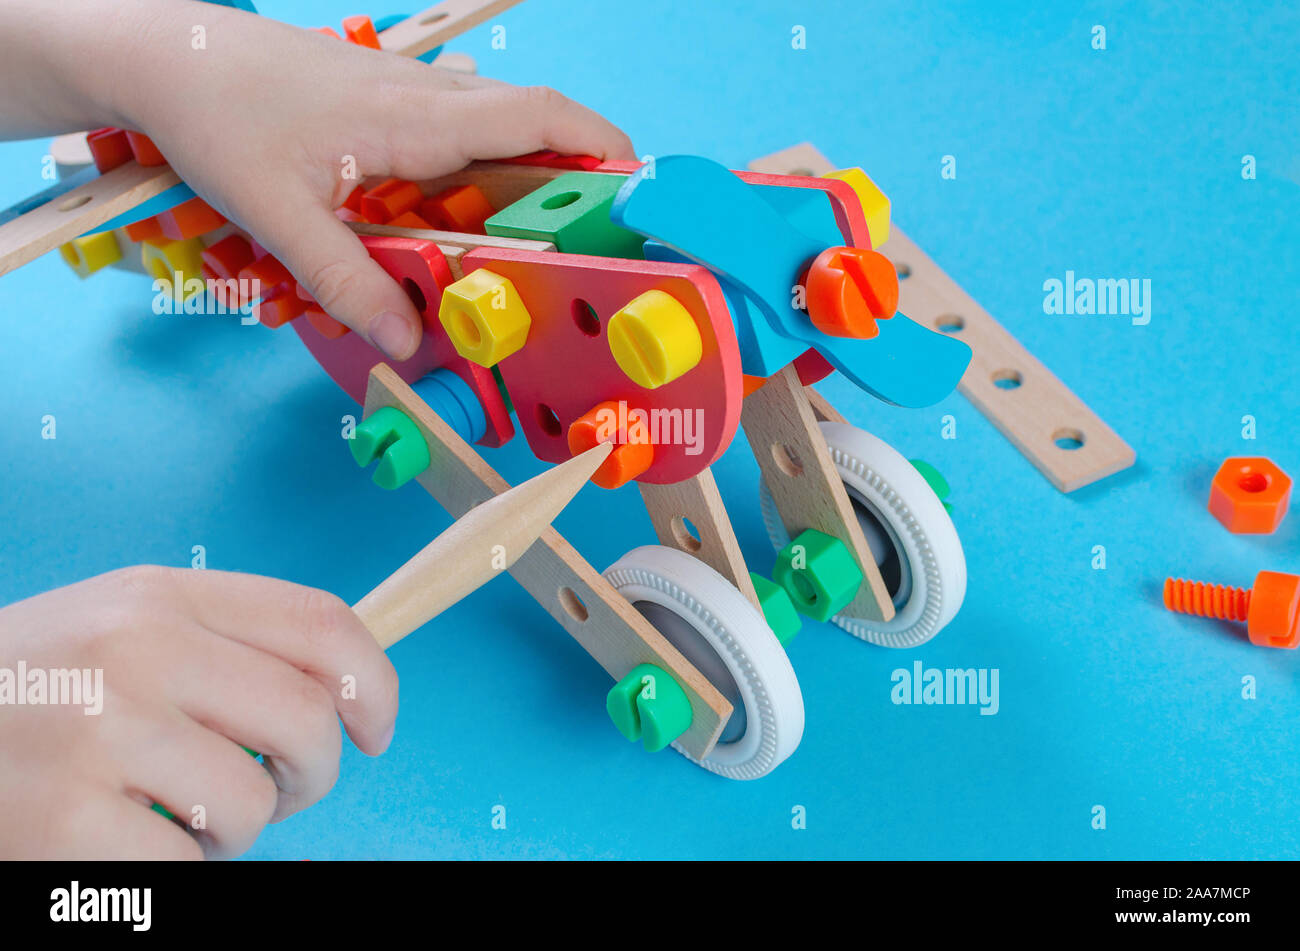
<point>452,244</point>
<point>805,485</point>
<point>56,222</point>
<point>607,626</point>
<point>1054,429</point>
<point>698,501</point>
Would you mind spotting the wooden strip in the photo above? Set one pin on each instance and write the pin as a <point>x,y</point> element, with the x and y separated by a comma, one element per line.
<point>56,222</point>
<point>418,34</point>
<point>45,228</point>
<point>452,244</point>
<point>559,579</point>
<point>821,407</point>
<point>804,482</point>
<point>502,183</point>
<point>1041,415</point>
<point>698,500</point>
<point>801,159</point>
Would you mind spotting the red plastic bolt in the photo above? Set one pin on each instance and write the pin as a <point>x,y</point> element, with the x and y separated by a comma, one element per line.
<point>849,289</point>
<point>1271,609</point>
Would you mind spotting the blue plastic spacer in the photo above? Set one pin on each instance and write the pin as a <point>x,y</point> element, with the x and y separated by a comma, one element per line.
<point>451,398</point>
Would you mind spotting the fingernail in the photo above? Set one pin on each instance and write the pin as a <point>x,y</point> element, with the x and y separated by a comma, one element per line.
<point>391,333</point>
<point>388,740</point>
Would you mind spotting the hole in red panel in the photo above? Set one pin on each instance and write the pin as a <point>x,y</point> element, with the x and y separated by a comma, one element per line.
<point>584,315</point>
<point>547,419</point>
<point>417,296</point>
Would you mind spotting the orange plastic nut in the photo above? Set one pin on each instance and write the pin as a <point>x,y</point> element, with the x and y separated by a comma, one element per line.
<point>227,257</point>
<point>1250,495</point>
<point>389,199</point>
<point>266,270</point>
<point>280,306</point>
<point>409,219</point>
<point>142,147</point>
<point>361,31</point>
<point>109,148</point>
<point>633,452</point>
<point>190,219</point>
<point>327,30</point>
<point>849,289</point>
<point>224,291</point>
<point>461,208</point>
<point>353,201</point>
<point>146,229</point>
<point>324,324</point>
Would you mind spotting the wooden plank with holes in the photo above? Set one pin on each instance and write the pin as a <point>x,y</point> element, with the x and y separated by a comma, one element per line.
<point>698,501</point>
<point>821,407</point>
<point>609,628</point>
<point>1043,418</point>
<point>58,221</point>
<point>502,183</point>
<point>1055,430</point>
<point>452,244</point>
<point>45,228</point>
<point>423,31</point>
<point>805,485</point>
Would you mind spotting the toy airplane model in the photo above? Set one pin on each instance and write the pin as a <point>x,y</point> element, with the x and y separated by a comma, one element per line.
<point>656,307</point>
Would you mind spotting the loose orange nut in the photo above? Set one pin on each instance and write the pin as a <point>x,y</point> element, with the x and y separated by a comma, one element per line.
<point>633,452</point>
<point>1250,495</point>
<point>849,289</point>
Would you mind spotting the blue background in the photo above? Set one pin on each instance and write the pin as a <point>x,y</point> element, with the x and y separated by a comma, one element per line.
<point>1125,162</point>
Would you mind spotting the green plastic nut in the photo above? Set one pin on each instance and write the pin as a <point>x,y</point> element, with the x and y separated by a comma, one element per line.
<point>650,706</point>
<point>388,435</point>
<point>934,478</point>
<point>777,607</point>
<point>818,574</point>
<point>572,212</point>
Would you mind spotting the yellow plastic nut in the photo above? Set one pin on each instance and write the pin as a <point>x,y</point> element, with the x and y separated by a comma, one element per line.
<point>875,204</point>
<point>89,253</point>
<point>654,339</point>
<point>484,317</point>
<point>165,261</point>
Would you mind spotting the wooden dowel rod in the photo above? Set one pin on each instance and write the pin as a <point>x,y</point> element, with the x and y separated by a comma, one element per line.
<point>477,547</point>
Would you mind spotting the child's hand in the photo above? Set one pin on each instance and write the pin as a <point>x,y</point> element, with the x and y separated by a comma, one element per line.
<point>262,122</point>
<point>195,664</point>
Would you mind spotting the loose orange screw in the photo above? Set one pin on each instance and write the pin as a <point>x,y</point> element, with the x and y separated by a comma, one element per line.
<point>1271,609</point>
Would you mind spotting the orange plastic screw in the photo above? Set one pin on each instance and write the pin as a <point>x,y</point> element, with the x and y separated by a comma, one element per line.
<point>849,289</point>
<point>1270,609</point>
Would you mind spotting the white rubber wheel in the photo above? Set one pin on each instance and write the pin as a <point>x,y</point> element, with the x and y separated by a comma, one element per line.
<point>726,637</point>
<point>903,518</point>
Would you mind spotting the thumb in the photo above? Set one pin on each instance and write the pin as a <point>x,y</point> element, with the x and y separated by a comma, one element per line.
<point>330,261</point>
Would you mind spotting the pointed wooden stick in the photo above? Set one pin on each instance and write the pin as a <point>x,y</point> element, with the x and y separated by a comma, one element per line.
<point>480,545</point>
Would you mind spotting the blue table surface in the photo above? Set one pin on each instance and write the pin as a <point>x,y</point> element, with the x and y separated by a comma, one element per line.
<point>1124,162</point>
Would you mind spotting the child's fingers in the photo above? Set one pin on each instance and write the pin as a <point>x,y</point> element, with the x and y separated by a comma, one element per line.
<point>110,825</point>
<point>313,631</point>
<point>262,702</point>
<point>330,261</point>
<point>500,121</point>
<point>220,793</point>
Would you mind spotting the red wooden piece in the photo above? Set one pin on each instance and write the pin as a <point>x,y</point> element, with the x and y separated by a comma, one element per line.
<point>423,272</point>
<point>565,368</point>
